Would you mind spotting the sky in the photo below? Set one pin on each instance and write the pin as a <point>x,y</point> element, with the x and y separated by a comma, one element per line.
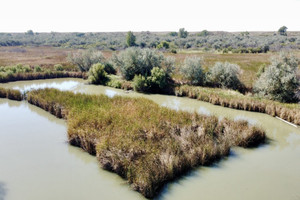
<point>148,15</point>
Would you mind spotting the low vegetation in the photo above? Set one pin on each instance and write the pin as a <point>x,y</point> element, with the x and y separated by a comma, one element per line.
<point>11,94</point>
<point>226,42</point>
<point>236,100</point>
<point>146,144</point>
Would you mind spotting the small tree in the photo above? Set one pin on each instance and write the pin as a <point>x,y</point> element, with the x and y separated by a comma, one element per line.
<point>130,39</point>
<point>225,75</point>
<point>282,30</point>
<point>192,70</point>
<point>279,80</point>
<point>97,74</point>
<point>182,33</point>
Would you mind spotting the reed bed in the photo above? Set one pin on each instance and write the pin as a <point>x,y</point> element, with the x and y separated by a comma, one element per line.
<point>4,78</point>
<point>236,100</point>
<point>144,143</point>
<point>11,94</point>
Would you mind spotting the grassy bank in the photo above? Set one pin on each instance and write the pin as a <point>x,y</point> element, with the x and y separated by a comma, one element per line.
<point>11,94</point>
<point>146,144</point>
<point>232,99</point>
<point>5,77</point>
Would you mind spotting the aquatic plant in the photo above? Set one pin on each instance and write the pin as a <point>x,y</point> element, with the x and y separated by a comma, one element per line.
<point>11,94</point>
<point>236,100</point>
<point>144,143</point>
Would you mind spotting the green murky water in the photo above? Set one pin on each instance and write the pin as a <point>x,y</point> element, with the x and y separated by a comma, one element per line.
<point>37,163</point>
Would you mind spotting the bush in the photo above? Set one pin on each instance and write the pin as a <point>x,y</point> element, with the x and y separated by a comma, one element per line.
<point>135,61</point>
<point>192,70</point>
<point>58,67</point>
<point>37,69</point>
<point>225,75</point>
<point>84,59</point>
<point>97,74</point>
<point>109,68</point>
<point>140,83</point>
<point>154,83</point>
<point>279,80</point>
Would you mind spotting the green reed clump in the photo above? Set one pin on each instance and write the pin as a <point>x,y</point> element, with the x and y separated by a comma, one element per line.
<point>11,94</point>
<point>236,100</point>
<point>146,144</point>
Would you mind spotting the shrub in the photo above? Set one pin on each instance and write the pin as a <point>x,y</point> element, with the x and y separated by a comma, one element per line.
<point>225,75</point>
<point>157,80</point>
<point>109,68</point>
<point>192,70</point>
<point>135,61</point>
<point>163,45</point>
<point>279,81</point>
<point>154,83</point>
<point>58,67</point>
<point>37,69</point>
<point>169,65</point>
<point>97,74</point>
<point>84,59</point>
<point>140,83</point>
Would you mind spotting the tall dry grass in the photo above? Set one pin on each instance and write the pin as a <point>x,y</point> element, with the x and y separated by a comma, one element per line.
<point>232,99</point>
<point>11,94</point>
<point>146,144</point>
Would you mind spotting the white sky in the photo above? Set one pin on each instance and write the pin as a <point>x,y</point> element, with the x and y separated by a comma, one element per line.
<point>150,15</point>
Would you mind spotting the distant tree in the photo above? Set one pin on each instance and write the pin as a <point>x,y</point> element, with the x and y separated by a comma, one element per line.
<point>203,33</point>
<point>29,32</point>
<point>130,39</point>
<point>182,33</point>
<point>282,30</point>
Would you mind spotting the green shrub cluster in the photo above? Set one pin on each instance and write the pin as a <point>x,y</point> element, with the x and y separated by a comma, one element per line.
<point>97,74</point>
<point>279,80</point>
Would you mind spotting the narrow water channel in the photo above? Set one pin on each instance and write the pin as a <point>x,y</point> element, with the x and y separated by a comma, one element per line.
<point>37,163</point>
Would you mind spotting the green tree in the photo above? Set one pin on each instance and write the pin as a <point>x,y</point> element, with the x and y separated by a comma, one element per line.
<point>182,33</point>
<point>130,39</point>
<point>29,32</point>
<point>282,30</point>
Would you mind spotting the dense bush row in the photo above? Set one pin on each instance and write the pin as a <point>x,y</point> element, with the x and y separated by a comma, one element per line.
<point>221,41</point>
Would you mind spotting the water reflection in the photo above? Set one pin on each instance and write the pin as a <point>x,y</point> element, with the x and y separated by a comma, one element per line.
<point>111,93</point>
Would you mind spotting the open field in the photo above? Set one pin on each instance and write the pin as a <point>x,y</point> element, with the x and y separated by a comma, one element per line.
<point>146,144</point>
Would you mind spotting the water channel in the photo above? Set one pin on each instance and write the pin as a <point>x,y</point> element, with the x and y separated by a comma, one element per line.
<point>36,161</point>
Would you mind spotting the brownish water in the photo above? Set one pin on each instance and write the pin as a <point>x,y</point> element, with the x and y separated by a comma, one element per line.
<point>37,163</point>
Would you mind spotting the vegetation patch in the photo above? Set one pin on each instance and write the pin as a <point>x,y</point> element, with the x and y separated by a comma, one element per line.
<point>236,100</point>
<point>11,94</point>
<point>146,144</point>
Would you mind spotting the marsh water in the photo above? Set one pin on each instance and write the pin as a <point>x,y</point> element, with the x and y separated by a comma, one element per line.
<point>36,161</point>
